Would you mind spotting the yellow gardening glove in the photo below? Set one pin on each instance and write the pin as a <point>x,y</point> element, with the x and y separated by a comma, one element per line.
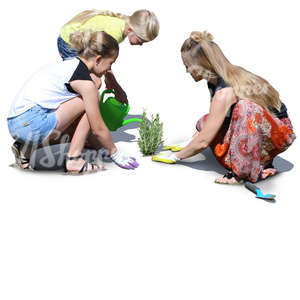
<point>165,157</point>
<point>177,147</point>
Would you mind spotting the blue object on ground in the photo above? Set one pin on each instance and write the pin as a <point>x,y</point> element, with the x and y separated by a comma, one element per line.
<point>259,194</point>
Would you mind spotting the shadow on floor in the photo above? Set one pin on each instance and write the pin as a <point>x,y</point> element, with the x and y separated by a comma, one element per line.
<point>282,165</point>
<point>121,135</point>
<point>207,162</point>
<point>52,157</point>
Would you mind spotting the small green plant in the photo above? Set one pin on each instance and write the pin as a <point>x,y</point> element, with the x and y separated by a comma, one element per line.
<point>151,134</point>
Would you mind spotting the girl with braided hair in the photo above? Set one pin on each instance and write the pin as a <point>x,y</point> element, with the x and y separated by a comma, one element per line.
<point>141,27</point>
<point>247,125</point>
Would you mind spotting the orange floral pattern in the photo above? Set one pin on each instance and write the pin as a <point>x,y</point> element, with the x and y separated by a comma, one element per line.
<point>251,140</point>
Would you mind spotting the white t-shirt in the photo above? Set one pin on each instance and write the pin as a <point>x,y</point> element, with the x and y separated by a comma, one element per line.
<point>48,87</point>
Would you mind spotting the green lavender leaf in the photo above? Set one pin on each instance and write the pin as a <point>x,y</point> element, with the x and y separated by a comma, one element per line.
<point>150,134</point>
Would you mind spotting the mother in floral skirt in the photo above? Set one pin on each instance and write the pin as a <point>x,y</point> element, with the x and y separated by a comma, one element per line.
<point>247,125</point>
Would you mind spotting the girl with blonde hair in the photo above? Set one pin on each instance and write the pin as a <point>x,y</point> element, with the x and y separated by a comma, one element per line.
<point>61,100</point>
<point>247,124</point>
<point>141,27</point>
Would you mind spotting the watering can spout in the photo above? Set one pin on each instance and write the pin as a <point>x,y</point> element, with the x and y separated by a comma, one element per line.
<point>131,120</point>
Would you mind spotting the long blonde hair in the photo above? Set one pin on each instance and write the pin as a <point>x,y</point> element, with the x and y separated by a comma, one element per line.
<point>246,85</point>
<point>143,22</point>
<point>89,43</point>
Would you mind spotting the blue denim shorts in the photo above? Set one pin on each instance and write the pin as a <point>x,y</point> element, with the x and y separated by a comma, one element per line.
<point>64,49</point>
<point>33,126</point>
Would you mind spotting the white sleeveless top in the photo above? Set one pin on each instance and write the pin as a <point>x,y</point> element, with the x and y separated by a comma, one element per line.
<point>48,87</point>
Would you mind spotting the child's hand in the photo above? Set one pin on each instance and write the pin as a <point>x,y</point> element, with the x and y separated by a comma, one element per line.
<point>121,96</point>
<point>124,161</point>
<point>110,81</point>
<point>112,84</point>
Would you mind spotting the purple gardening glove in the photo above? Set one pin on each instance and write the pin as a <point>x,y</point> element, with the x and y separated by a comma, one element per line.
<point>124,161</point>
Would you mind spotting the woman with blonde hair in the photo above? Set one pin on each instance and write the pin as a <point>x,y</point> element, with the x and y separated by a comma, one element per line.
<point>141,27</point>
<point>247,125</point>
<point>61,100</point>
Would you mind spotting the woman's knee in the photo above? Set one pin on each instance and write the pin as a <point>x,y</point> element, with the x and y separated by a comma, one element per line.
<point>97,81</point>
<point>200,123</point>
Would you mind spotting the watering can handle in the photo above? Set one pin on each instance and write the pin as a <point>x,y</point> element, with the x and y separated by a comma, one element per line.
<point>106,92</point>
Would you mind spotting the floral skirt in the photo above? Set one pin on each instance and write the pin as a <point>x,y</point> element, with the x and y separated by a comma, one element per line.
<point>249,141</point>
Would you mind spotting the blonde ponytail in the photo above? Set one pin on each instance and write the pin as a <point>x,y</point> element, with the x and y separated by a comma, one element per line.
<point>205,53</point>
<point>198,36</point>
<point>88,14</point>
<point>89,43</point>
<point>144,24</point>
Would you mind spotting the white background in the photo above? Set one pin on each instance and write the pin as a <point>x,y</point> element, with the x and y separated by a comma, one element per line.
<point>162,231</point>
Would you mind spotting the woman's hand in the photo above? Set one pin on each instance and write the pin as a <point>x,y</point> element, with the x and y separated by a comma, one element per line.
<point>165,157</point>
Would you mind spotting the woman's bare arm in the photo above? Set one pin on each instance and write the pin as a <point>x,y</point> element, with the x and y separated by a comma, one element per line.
<point>220,104</point>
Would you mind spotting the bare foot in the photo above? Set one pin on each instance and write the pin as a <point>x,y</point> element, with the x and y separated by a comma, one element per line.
<point>224,180</point>
<point>268,172</point>
<point>228,178</point>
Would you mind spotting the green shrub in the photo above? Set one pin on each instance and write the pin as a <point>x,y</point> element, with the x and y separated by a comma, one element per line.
<point>151,134</point>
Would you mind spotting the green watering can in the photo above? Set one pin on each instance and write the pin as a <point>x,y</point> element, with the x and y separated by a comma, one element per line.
<point>113,112</point>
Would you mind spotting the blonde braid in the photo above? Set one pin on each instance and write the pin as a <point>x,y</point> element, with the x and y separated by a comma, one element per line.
<point>88,14</point>
<point>111,14</point>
